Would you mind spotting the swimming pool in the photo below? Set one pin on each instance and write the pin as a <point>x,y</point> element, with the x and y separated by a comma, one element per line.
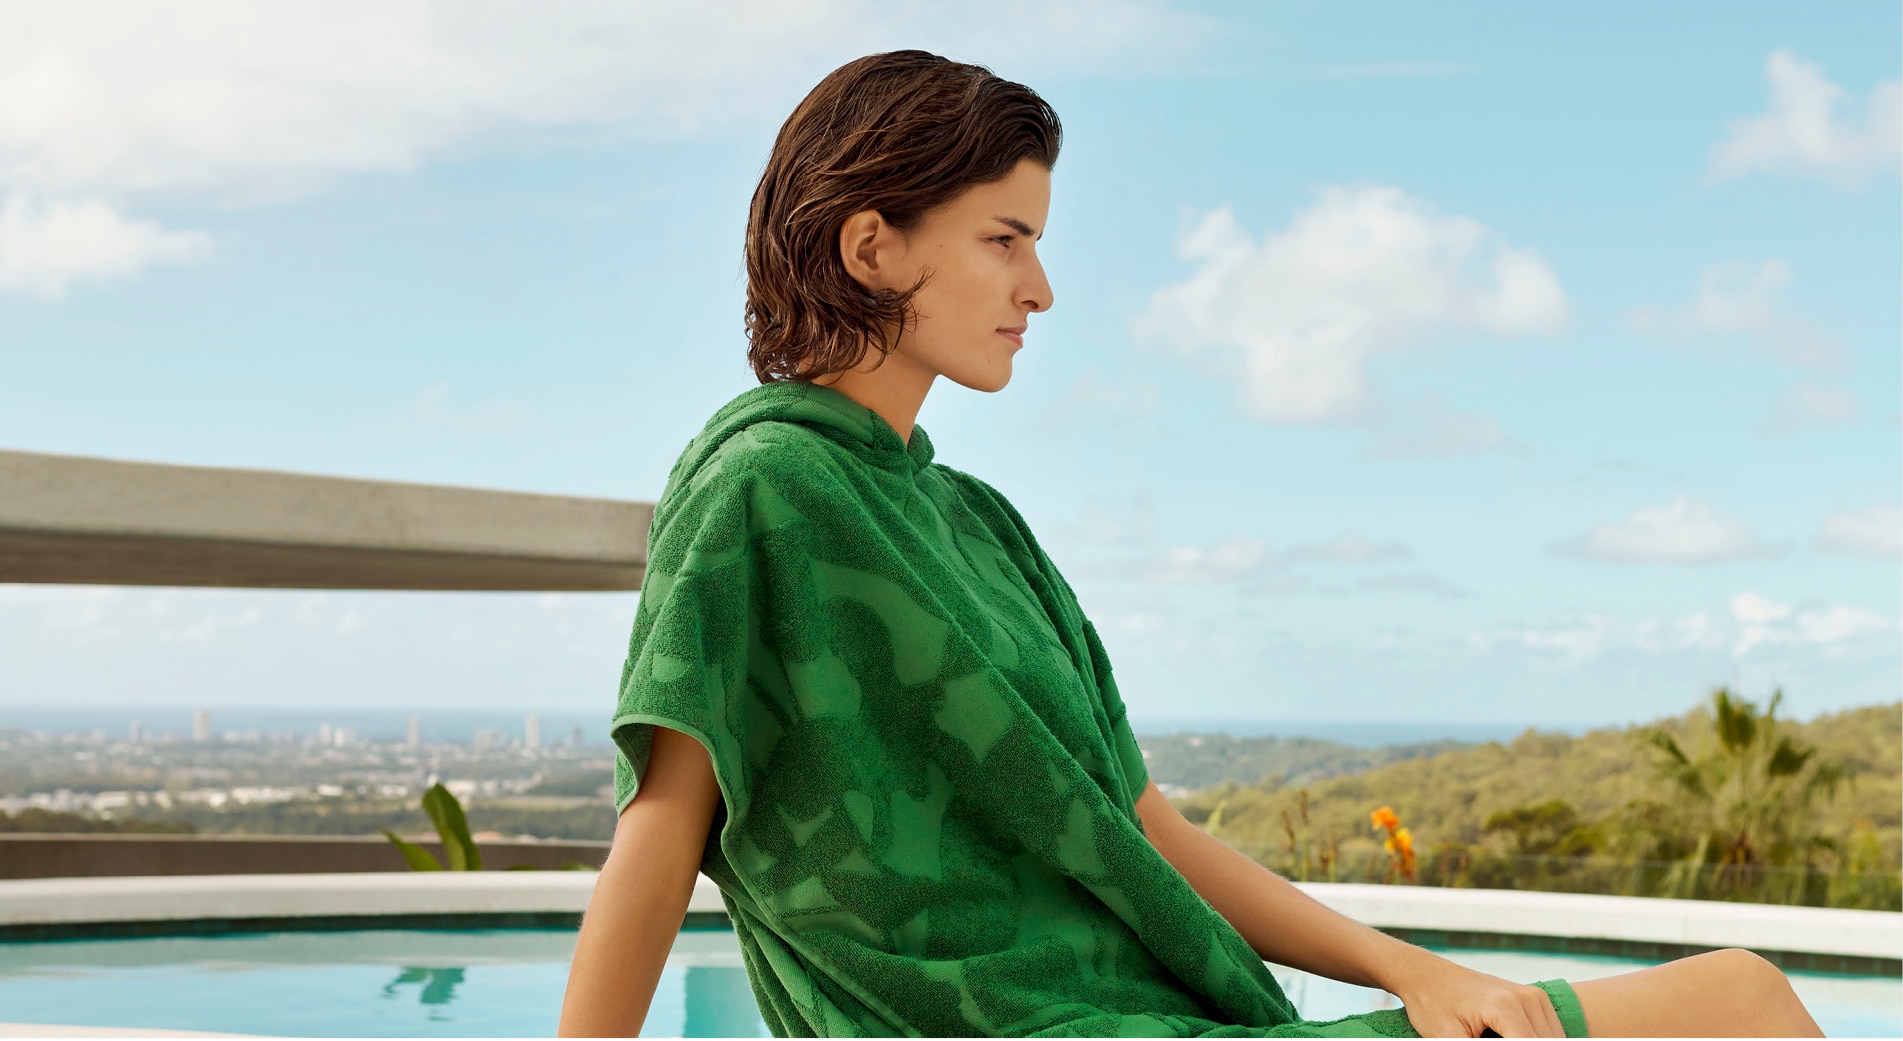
<point>508,982</point>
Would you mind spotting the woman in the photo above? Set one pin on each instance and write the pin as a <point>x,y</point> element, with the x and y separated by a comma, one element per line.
<point>861,699</point>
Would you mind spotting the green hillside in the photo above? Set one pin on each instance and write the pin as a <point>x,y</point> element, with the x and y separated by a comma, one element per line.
<point>1601,813</point>
<point>1179,761</point>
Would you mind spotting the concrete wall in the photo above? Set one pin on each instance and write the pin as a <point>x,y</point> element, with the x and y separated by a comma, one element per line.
<point>68,519</point>
<point>93,856</point>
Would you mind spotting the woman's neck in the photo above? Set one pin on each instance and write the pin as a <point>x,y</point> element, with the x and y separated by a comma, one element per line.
<point>895,388</point>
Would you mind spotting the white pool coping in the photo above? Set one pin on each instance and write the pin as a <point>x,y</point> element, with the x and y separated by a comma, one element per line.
<point>1697,923</point>
<point>67,1030</point>
<point>1701,923</point>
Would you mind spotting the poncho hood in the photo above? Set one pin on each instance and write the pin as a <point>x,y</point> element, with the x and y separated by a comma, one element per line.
<point>822,410</point>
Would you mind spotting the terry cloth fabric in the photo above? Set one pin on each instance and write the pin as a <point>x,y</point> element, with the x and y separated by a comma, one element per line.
<point>1572,1018</point>
<point>928,821</point>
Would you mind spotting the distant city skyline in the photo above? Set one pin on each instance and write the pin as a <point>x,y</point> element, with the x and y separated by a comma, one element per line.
<point>582,727</point>
<point>1474,364</point>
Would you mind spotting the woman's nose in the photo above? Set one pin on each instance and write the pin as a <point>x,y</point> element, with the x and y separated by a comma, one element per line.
<point>1037,290</point>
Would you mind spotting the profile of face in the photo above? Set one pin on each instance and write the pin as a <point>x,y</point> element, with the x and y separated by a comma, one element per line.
<point>978,253</point>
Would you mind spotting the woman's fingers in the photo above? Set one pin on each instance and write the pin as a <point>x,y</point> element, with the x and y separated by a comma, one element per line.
<point>1541,1011</point>
<point>1509,1019</point>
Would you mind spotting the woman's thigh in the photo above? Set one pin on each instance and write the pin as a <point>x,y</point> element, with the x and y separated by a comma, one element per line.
<point>1730,993</point>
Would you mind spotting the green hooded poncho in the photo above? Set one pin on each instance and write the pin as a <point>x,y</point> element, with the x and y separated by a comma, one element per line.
<point>929,821</point>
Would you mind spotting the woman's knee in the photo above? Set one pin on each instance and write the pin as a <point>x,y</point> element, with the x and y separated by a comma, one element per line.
<point>1750,977</point>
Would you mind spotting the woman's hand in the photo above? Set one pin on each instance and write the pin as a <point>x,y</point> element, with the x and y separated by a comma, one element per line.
<point>1443,999</point>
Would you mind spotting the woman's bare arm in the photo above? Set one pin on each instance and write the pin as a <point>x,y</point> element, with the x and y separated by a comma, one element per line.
<point>1289,927</point>
<point>641,897</point>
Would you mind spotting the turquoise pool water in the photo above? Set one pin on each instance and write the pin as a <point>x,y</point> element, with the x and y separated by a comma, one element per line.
<point>493,983</point>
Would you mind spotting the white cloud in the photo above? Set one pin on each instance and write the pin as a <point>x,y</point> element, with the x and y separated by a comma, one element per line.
<point>432,410</point>
<point>229,102</point>
<point>1700,630</point>
<point>1349,549</point>
<point>1762,621</point>
<point>1749,622</point>
<point>1738,300</point>
<point>1810,406</point>
<point>1803,134</point>
<point>46,247</point>
<point>1394,70</point>
<point>1250,563</point>
<point>1572,639</point>
<point>1872,531</point>
<point>1428,428</point>
<point>1295,318</point>
<point>1111,519</point>
<point>1224,562</point>
<point>106,644</point>
<point>224,94</point>
<point>1125,398</point>
<point>1684,531</point>
<point>1412,582</point>
<point>1287,583</point>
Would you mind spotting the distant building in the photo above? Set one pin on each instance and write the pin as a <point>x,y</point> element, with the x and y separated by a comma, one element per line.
<point>574,738</point>
<point>201,725</point>
<point>488,739</point>
<point>323,733</point>
<point>413,737</point>
<point>532,731</point>
<point>137,733</point>
<point>345,736</point>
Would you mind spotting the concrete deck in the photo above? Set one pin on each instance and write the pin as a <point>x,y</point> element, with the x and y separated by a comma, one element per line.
<point>77,520</point>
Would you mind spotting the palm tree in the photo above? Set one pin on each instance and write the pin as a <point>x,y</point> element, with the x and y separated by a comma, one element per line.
<point>1740,825</point>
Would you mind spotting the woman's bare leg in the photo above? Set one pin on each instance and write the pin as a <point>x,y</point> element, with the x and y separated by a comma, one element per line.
<point>1730,993</point>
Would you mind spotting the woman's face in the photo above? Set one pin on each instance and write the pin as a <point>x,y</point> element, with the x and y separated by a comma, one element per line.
<point>979,252</point>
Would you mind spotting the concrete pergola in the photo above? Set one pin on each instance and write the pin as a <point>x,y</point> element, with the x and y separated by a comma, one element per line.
<point>78,520</point>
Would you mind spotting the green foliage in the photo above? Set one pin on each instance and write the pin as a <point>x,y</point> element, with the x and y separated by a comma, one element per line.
<point>576,786</point>
<point>1204,760</point>
<point>1306,853</point>
<point>1724,802</point>
<point>458,847</point>
<point>34,819</point>
<point>1741,804</point>
<point>418,858</point>
<point>447,814</point>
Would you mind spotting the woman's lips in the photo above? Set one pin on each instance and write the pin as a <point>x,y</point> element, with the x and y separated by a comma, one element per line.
<point>1014,335</point>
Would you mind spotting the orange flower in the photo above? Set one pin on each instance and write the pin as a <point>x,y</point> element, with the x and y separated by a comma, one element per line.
<point>1384,818</point>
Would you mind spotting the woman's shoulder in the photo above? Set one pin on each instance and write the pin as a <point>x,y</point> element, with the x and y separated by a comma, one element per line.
<point>978,493</point>
<point>780,451</point>
<point>1001,520</point>
<point>766,448</point>
<point>759,476</point>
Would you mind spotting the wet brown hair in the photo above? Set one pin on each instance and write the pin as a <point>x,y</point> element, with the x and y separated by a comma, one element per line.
<point>901,133</point>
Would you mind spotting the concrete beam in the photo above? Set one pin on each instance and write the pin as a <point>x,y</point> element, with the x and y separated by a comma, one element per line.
<point>31,855</point>
<point>76,520</point>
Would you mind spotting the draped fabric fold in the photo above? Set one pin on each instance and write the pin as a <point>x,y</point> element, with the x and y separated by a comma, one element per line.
<point>929,784</point>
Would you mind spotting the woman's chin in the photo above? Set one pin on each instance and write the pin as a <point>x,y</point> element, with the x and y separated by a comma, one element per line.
<point>989,378</point>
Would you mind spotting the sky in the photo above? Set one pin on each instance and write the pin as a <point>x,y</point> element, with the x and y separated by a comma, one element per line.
<point>1473,363</point>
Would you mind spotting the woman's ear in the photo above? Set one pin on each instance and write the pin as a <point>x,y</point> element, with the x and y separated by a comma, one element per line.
<point>868,246</point>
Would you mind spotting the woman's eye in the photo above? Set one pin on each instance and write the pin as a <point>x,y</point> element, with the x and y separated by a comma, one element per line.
<point>1002,239</point>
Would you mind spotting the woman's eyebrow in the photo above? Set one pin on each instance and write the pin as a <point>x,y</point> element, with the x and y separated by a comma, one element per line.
<point>1019,226</point>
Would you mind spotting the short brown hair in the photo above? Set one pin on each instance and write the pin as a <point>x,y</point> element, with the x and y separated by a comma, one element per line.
<point>901,133</point>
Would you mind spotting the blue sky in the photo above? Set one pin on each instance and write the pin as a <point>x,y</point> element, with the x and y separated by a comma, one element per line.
<point>1476,363</point>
